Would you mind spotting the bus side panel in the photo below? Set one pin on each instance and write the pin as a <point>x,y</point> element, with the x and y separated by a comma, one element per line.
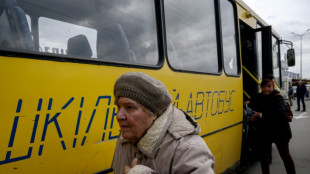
<point>216,104</point>
<point>61,116</point>
<point>226,148</point>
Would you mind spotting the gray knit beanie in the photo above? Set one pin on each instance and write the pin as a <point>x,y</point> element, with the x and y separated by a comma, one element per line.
<point>144,89</point>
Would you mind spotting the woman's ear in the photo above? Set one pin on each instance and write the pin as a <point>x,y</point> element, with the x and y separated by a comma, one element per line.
<point>154,117</point>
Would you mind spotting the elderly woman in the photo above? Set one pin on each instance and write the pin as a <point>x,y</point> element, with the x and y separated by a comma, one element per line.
<point>155,136</point>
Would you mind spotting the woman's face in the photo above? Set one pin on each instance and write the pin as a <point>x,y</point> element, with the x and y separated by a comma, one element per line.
<point>133,119</point>
<point>267,89</point>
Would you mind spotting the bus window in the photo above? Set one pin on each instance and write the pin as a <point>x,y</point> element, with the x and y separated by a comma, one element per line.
<point>6,40</point>
<point>116,31</point>
<point>14,29</point>
<point>259,53</point>
<point>53,40</point>
<point>191,48</point>
<point>229,38</point>
<point>276,60</point>
<point>29,21</point>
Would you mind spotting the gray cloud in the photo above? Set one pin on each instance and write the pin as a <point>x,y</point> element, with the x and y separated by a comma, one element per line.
<point>287,16</point>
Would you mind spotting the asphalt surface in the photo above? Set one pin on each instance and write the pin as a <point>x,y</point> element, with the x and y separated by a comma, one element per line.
<point>299,146</point>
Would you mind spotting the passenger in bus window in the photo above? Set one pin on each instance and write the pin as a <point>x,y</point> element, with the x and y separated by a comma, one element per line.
<point>155,137</point>
<point>273,126</point>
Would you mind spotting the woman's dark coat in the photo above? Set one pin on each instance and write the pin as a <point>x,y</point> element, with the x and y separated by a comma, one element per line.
<point>274,125</point>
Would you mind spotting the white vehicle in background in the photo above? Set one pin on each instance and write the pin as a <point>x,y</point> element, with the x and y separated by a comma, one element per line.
<point>307,96</point>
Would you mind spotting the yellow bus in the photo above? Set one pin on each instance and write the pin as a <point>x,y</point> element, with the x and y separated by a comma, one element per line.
<point>59,60</point>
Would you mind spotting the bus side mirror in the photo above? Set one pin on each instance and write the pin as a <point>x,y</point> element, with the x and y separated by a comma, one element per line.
<point>290,57</point>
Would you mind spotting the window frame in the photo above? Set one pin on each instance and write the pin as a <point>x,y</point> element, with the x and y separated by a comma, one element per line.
<point>66,58</point>
<point>236,39</point>
<point>278,60</point>
<point>217,46</point>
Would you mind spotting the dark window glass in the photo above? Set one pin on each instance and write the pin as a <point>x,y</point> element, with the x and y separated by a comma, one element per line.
<point>114,31</point>
<point>191,35</point>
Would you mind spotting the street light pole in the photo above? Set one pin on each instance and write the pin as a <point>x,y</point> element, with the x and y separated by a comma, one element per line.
<point>300,36</point>
<point>300,57</point>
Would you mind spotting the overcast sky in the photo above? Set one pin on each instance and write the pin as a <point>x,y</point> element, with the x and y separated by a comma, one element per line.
<point>287,16</point>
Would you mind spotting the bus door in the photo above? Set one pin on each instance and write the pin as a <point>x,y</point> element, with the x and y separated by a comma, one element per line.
<point>256,49</point>
<point>270,54</point>
<point>256,63</point>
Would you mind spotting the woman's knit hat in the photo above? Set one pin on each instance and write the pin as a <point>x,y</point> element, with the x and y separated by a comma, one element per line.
<point>144,89</point>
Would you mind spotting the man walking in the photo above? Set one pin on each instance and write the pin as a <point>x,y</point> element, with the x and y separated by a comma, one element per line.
<point>301,91</point>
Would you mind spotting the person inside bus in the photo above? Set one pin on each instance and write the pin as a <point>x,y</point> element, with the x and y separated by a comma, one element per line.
<point>273,127</point>
<point>300,92</point>
<point>155,137</point>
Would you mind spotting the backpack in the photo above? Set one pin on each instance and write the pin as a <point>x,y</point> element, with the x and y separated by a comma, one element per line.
<point>290,91</point>
<point>288,111</point>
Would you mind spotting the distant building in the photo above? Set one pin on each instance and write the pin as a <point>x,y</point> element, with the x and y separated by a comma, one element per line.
<point>291,74</point>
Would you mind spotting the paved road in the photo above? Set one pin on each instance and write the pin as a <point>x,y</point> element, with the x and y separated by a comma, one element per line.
<point>299,146</point>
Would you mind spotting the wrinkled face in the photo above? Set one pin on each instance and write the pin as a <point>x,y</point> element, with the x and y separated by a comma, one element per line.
<point>267,89</point>
<point>133,119</point>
